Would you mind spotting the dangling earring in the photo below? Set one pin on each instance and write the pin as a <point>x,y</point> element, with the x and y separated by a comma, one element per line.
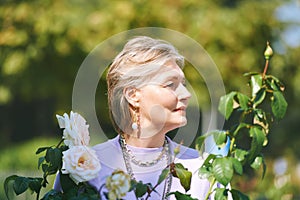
<point>135,120</point>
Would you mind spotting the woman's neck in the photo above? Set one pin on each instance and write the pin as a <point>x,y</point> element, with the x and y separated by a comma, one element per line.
<point>150,142</point>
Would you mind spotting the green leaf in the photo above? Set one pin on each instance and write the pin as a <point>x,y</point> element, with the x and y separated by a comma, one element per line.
<point>205,172</point>
<point>66,182</point>
<point>71,194</point>
<point>164,174</point>
<point>260,115</point>
<point>54,157</point>
<point>44,168</point>
<point>21,184</point>
<point>257,162</point>
<point>220,137</point>
<point>183,174</point>
<point>221,194</point>
<point>250,73</point>
<point>7,182</point>
<point>140,189</point>
<point>41,160</point>
<point>258,139</point>
<point>243,100</point>
<point>240,154</point>
<point>275,83</point>
<point>237,165</point>
<point>223,170</point>
<point>272,84</point>
<point>199,142</point>
<point>52,195</point>
<point>278,104</point>
<point>209,158</point>
<point>35,184</point>
<point>237,195</point>
<point>181,196</point>
<point>226,104</point>
<point>40,150</point>
<point>259,96</point>
<point>256,83</point>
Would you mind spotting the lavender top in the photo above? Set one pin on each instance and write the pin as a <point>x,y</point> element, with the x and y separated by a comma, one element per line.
<point>111,158</point>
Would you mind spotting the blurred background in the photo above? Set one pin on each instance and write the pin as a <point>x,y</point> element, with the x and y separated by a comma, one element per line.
<point>44,42</point>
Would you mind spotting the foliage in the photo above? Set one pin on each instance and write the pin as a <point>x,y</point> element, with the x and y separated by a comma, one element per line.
<point>254,123</point>
<point>42,43</point>
<point>256,114</point>
<point>50,164</point>
<point>56,160</point>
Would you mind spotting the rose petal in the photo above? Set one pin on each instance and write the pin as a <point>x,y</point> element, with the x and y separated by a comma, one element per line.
<point>61,121</point>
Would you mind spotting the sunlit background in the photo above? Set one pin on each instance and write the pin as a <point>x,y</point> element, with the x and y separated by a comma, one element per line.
<point>43,43</point>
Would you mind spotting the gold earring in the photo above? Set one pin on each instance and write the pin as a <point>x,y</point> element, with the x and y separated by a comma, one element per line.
<point>135,123</point>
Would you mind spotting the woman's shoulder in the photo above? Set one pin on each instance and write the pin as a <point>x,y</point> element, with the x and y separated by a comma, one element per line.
<point>107,149</point>
<point>105,146</point>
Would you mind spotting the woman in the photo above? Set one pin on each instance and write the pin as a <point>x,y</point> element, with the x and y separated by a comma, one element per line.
<point>147,99</point>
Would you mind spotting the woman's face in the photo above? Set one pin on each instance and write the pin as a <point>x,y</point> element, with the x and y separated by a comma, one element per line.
<point>163,101</point>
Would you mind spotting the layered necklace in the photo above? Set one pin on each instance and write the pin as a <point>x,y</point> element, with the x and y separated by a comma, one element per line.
<point>129,158</point>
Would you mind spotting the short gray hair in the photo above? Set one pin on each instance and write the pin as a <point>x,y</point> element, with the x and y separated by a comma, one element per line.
<point>133,67</point>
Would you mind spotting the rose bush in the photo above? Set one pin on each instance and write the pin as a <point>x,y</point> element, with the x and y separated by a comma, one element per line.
<point>81,163</point>
<point>71,158</point>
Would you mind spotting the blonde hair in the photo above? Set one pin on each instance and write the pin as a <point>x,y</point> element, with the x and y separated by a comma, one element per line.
<point>139,60</point>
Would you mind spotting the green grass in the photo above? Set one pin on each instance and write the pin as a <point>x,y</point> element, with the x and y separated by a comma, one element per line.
<point>20,159</point>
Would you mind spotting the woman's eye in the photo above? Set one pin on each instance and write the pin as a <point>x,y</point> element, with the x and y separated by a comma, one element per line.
<point>170,85</point>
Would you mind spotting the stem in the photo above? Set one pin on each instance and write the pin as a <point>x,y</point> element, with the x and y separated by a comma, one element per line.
<point>38,196</point>
<point>210,189</point>
<point>231,145</point>
<point>61,141</point>
<point>266,68</point>
<point>150,191</point>
<point>99,191</point>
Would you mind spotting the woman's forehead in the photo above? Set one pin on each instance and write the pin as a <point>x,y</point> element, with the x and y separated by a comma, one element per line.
<point>168,72</point>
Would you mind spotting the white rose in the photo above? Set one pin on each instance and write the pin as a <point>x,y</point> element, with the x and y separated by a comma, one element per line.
<point>81,163</point>
<point>75,129</point>
<point>118,184</point>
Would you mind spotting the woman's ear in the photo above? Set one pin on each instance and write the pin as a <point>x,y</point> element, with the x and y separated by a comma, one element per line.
<point>132,95</point>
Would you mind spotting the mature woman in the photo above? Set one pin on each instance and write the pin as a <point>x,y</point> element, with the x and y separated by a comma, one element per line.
<point>147,99</point>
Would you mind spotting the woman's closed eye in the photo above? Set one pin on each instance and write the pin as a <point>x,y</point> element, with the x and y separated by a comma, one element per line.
<point>170,84</point>
<point>174,84</point>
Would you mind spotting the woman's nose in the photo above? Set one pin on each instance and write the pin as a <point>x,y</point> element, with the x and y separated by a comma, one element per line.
<point>183,92</point>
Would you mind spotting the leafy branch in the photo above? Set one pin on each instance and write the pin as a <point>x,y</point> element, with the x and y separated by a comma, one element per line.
<point>256,113</point>
<point>50,164</point>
